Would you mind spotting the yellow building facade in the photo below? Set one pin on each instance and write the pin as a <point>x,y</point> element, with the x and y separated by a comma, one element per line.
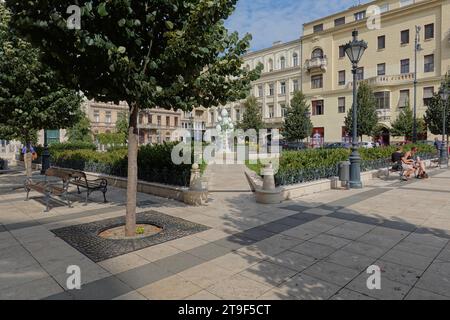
<point>317,64</point>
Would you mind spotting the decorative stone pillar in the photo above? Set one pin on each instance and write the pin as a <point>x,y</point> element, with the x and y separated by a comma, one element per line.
<point>197,194</point>
<point>269,194</point>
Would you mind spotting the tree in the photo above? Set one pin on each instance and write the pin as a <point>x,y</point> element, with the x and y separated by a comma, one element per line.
<point>403,125</point>
<point>252,116</point>
<point>31,97</point>
<point>80,131</point>
<point>150,53</point>
<point>297,125</point>
<point>122,123</point>
<point>367,112</point>
<point>434,114</point>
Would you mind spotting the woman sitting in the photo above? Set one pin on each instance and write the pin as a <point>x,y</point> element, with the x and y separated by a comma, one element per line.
<point>411,164</point>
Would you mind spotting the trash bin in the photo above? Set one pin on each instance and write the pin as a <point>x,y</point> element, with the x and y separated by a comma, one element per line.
<point>344,171</point>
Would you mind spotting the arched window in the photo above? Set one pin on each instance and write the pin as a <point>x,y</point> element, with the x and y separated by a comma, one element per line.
<point>317,53</point>
<point>295,59</point>
<point>282,63</point>
<point>270,65</point>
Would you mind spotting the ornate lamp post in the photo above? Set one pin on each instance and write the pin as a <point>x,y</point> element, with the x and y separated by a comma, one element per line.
<point>224,128</point>
<point>355,50</point>
<point>417,48</point>
<point>45,157</point>
<point>443,92</point>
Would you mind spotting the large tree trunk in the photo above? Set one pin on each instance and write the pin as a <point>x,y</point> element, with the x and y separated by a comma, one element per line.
<point>130,227</point>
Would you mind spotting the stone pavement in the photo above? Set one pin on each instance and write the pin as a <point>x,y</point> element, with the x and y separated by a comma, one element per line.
<point>314,247</point>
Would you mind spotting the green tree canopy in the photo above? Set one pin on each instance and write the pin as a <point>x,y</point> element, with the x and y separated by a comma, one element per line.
<point>367,112</point>
<point>122,123</point>
<point>403,125</point>
<point>251,118</point>
<point>297,125</point>
<point>150,53</point>
<point>31,97</point>
<point>80,131</point>
<point>434,115</point>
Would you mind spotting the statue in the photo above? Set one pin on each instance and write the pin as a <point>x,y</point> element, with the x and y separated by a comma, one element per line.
<point>224,128</point>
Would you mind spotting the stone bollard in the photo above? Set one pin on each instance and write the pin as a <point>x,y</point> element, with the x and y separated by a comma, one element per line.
<point>269,179</point>
<point>196,195</point>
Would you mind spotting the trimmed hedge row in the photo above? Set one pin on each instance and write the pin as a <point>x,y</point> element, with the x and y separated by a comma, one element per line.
<point>154,163</point>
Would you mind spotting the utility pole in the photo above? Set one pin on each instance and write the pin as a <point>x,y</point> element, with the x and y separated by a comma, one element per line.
<point>416,49</point>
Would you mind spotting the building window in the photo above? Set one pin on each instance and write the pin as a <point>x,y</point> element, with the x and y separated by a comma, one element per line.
<point>404,99</point>
<point>341,77</point>
<point>427,95</point>
<point>429,63</point>
<point>295,60</point>
<point>271,89</point>
<point>382,100</point>
<point>260,91</point>
<point>404,66</point>
<point>360,15</point>
<point>96,116</point>
<point>270,65</point>
<point>404,37</point>
<point>283,87</point>
<point>341,105</point>
<point>317,81</point>
<point>341,51</point>
<point>295,85</point>
<point>282,63</point>
<point>283,110</point>
<point>429,31</point>
<point>381,69</point>
<point>150,118</point>
<point>238,115</point>
<point>360,74</point>
<point>317,107</point>
<point>339,21</point>
<point>159,120</point>
<point>141,118</point>
<point>317,53</point>
<point>53,136</point>
<point>318,28</point>
<point>176,121</point>
<point>271,111</point>
<point>406,2</point>
<point>381,42</point>
<point>168,121</point>
<point>108,118</point>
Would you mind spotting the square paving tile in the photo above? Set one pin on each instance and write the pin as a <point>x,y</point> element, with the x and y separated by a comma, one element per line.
<point>346,294</point>
<point>206,274</point>
<point>293,260</point>
<point>305,287</point>
<point>315,250</point>
<point>420,294</point>
<point>239,287</point>
<point>85,237</point>
<point>399,273</point>
<point>390,290</point>
<point>331,272</point>
<point>350,260</point>
<point>268,273</point>
<point>171,288</point>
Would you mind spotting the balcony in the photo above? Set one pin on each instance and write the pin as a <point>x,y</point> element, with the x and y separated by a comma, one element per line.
<point>274,120</point>
<point>317,64</point>
<point>382,81</point>
<point>384,115</point>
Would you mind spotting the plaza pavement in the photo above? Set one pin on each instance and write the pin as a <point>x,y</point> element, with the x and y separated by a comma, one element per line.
<point>314,247</point>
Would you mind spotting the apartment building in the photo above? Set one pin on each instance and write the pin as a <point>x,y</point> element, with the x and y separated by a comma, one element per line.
<point>316,64</point>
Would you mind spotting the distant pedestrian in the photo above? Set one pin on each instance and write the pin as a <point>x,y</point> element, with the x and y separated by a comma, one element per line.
<point>437,144</point>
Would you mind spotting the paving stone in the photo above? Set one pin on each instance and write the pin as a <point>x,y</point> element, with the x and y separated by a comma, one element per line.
<point>203,295</point>
<point>276,294</point>
<point>157,252</point>
<point>206,274</point>
<point>179,262</point>
<point>133,295</point>
<point>331,241</point>
<point>268,273</point>
<point>390,290</point>
<point>419,294</point>
<point>21,275</point>
<point>318,211</point>
<point>270,246</point>
<point>399,273</point>
<point>238,287</point>
<point>236,261</point>
<point>305,287</point>
<point>171,288</point>
<point>346,294</point>
<point>301,232</point>
<point>365,249</point>
<point>123,263</point>
<point>292,260</point>
<point>418,248</point>
<point>350,230</point>
<point>314,250</point>
<point>428,239</point>
<point>331,272</point>
<point>407,259</point>
<point>186,243</point>
<point>32,290</point>
<point>350,260</point>
<point>209,251</point>
<point>143,275</point>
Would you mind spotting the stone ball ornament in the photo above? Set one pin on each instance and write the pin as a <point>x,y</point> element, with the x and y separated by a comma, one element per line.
<point>224,113</point>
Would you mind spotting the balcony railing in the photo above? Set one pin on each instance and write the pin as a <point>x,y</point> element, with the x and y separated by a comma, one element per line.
<point>388,80</point>
<point>274,120</point>
<point>384,115</point>
<point>318,63</point>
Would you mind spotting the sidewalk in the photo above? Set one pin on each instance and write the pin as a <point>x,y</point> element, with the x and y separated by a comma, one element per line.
<point>314,247</point>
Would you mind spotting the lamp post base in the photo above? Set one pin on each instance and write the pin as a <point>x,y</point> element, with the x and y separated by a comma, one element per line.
<point>444,156</point>
<point>355,170</point>
<point>45,160</point>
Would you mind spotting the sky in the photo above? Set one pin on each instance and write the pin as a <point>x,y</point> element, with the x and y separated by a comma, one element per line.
<point>280,20</point>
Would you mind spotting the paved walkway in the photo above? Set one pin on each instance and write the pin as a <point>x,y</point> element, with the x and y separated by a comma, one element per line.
<point>227,178</point>
<point>314,247</point>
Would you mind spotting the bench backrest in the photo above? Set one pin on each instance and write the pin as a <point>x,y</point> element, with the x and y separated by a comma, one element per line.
<point>63,174</point>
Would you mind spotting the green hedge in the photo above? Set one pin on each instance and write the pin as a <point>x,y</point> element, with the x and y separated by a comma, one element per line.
<point>154,163</point>
<point>314,164</point>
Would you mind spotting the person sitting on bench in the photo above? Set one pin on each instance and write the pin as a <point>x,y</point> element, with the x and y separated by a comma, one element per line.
<point>411,164</point>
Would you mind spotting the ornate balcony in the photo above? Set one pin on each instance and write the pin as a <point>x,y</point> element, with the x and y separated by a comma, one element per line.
<point>392,80</point>
<point>384,115</point>
<point>317,64</point>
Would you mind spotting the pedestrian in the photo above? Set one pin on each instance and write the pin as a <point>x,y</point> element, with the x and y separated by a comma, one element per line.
<point>437,144</point>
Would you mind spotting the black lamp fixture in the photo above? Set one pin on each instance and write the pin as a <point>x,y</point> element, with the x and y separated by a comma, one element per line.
<point>355,50</point>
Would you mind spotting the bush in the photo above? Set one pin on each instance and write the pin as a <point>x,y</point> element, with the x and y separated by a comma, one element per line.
<point>154,163</point>
<point>315,164</point>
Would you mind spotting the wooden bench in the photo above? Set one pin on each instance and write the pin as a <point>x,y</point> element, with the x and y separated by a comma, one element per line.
<point>79,179</point>
<point>51,188</point>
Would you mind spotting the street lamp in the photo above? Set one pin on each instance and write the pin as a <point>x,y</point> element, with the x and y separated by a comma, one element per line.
<point>355,50</point>
<point>443,92</point>
<point>417,48</point>
<point>45,157</point>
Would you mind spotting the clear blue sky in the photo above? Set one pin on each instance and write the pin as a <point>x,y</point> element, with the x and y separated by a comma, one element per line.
<point>272,20</point>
